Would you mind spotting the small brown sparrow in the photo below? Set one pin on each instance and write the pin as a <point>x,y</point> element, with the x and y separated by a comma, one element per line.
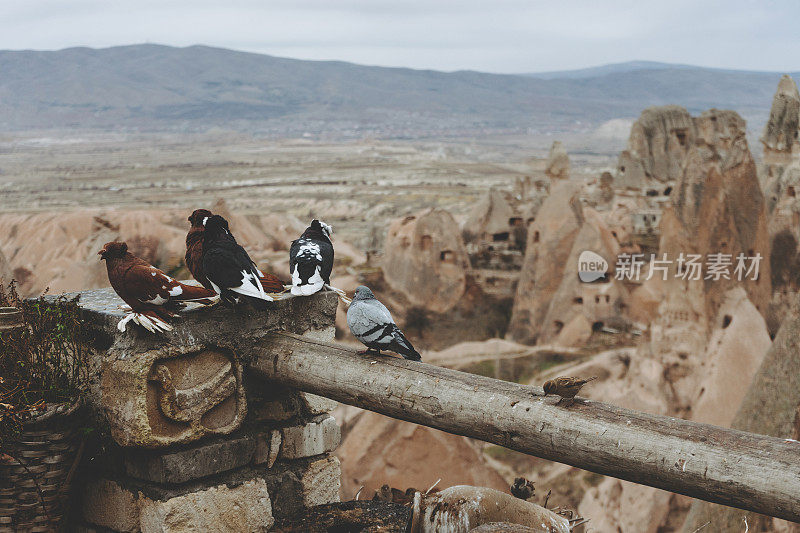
<point>522,488</point>
<point>566,387</point>
<point>384,494</point>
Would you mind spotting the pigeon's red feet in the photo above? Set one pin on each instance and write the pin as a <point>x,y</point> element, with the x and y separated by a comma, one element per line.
<point>369,351</point>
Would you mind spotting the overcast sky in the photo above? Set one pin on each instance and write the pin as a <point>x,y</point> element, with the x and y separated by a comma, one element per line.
<point>487,35</point>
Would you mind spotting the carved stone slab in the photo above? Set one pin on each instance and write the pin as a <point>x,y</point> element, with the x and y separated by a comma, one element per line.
<point>171,388</point>
<point>171,396</point>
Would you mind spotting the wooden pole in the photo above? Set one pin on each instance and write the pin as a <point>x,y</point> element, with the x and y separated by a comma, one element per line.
<point>725,466</point>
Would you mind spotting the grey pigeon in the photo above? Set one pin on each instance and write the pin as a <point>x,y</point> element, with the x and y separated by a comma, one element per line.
<point>371,323</point>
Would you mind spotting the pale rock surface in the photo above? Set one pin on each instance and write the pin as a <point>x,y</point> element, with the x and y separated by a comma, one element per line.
<point>244,508</point>
<point>317,405</point>
<point>557,162</point>
<point>380,450</point>
<point>107,504</point>
<point>314,438</point>
<point>425,259</point>
<point>550,240</point>
<point>5,270</point>
<point>780,175</point>
<point>708,338</point>
<point>616,505</point>
<point>658,143</point>
<point>769,407</point>
<point>734,353</point>
<point>550,295</point>
<point>59,250</point>
<point>780,138</point>
<point>321,482</point>
<point>489,216</point>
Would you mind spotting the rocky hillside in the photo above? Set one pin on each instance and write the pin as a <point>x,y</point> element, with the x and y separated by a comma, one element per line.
<point>153,87</point>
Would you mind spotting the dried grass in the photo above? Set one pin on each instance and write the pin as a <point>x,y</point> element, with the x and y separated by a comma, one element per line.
<point>42,363</point>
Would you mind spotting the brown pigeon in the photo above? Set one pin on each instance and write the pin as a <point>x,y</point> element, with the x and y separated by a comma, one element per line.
<point>146,289</point>
<point>194,254</point>
<point>194,246</point>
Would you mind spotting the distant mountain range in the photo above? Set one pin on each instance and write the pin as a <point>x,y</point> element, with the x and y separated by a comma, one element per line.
<point>154,87</point>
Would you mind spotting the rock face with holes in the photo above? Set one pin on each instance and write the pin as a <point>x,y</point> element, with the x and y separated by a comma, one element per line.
<point>717,215</point>
<point>197,445</point>
<point>552,304</point>
<point>770,407</point>
<point>657,146</point>
<point>550,240</point>
<point>491,219</point>
<point>425,259</point>
<point>780,176</point>
<point>708,336</point>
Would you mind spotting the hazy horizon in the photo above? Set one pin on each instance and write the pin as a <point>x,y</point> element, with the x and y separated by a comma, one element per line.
<point>634,64</point>
<point>509,36</point>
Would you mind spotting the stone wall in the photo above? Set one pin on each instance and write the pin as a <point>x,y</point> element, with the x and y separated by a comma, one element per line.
<point>194,443</point>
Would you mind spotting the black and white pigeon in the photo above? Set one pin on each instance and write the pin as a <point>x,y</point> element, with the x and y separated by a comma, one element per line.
<point>231,272</point>
<point>311,259</point>
<point>372,324</point>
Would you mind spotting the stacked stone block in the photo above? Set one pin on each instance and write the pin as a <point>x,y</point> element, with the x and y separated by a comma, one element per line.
<point>197,444</point>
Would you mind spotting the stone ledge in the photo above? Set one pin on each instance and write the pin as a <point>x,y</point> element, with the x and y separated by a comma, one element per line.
<point>217,326</point>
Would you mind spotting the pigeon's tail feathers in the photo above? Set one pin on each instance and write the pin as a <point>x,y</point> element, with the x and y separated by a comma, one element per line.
<point>404,347</point>
<point>190,292</point>
<point>303,285</point>
<point>271,283</point>
<point>251,286</point>
<point>306,289</point>
<point>147,319</point>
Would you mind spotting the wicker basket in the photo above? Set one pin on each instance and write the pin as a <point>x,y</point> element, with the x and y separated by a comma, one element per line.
<point>34,484</point>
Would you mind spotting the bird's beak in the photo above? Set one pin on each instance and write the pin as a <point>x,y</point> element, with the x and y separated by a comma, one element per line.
<point>102,254</point>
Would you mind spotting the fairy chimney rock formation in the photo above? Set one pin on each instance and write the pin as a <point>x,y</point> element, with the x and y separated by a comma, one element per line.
<point>426,260</point>
<point>550,239</point>
<point>557,162</point>
<point>491,218</point>
<point>657,147</point>
<point>781,138</point>
<point>717,206</point>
